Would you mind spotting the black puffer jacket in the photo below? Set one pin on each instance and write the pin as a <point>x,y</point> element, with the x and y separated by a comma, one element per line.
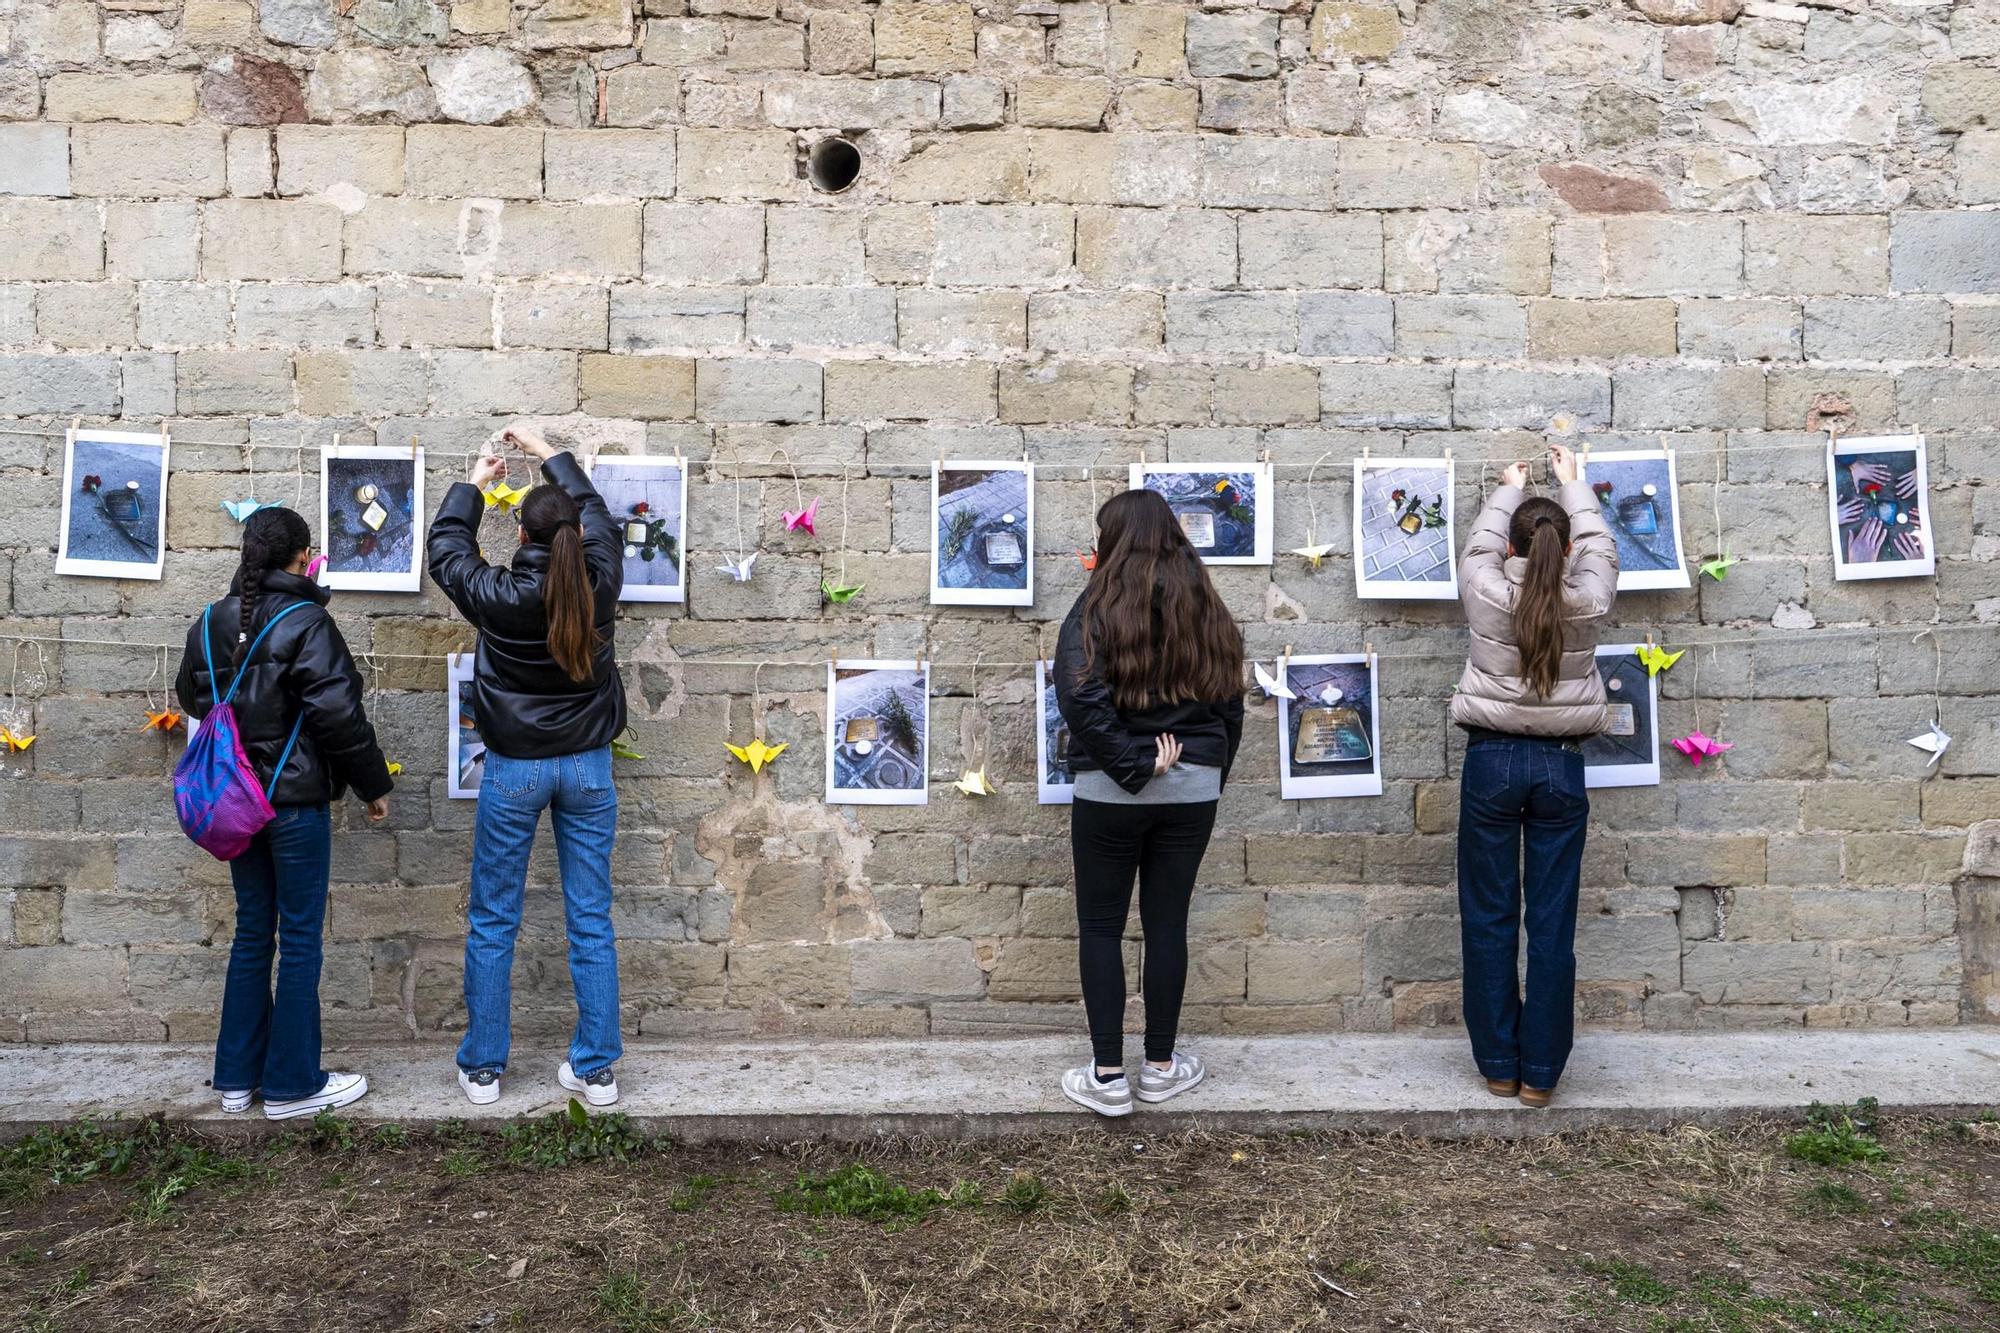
<point>526,706</point>
<point>302,663</point>
<point>1123,744</point>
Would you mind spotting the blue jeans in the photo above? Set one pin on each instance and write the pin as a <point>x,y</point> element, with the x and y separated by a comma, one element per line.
<point>577,792</point>
<point>268,1039</point>
<point>1515,790</point>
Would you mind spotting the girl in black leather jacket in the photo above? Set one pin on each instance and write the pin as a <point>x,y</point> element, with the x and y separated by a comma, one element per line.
<point>300,717</point>
<point>1149,678</point>
<point>548,701</point>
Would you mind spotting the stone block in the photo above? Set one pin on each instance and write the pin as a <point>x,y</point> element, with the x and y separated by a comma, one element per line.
<point>1346,324</point>
<point>1065,391</point>
<point>736,164</point>
<point>1234,45</point>
<point>1747,972</point>
<point>1002,245</point>
<point>413,238</point>
<point>590,241</point>
<point>1137,247</point>
<point>704,244</point>
<point>313,159</point>
<point>1688,397</point>
<point>1563,330</point>
<point>957,324</point>
<point>52,240</point>
<point>647,319</point>
<point>1063,102</point>
<point>1303,971</point>
<point>147,161</point>
<point>586,164</point>
<point>914,971</point>
<point>34,159</point>
<point>218,383</point>
<point>757,390</point>
<point>1147,41</point>
<point>1877,330</point>
<point>1737,330</point>
<point>504,382</point>
<point>1249,172</point>
<point>370,383</point>
<point>1224,322</point>
<point>923,38</point>
<point>297,239</point>
<point>1495,399</point>
<point>1386,173</point>
<point>297,315</point>
<point>162,99</point>
<point>1943,252</point>
<point>785,317</point>
<point>815,245</point>
<point>1647,255</point>
<point>645,388</point>
<point>1292,249</point>
<point>449,161</point>
<point>1354,31</point>
<point>1442,327</point>
<point>480,85</point>
<point>1816,256</point>
<point>1398,396</point>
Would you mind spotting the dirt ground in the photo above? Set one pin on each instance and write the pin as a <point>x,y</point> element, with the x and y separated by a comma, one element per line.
<point>581,1223</point>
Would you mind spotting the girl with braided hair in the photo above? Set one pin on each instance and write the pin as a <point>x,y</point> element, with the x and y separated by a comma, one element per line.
<point>1537,577</point>
<point>300,718</point>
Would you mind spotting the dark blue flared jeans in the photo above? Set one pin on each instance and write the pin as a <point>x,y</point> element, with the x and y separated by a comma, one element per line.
<point>269,1037</point>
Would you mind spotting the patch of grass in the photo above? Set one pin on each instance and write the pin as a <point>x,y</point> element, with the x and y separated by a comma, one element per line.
<point>328,1133</point>
<point>63,1155</point>
<point>1830,1197</point>
<point>393,1138</point>
<point>691,1193</point>
<point>563,1138</point>
<point>1115,1199</point>
<point>1837,1135</point>
<point>1968,1255</point>
<point>1632,1283</point>
<point>1025,1192</point>
<point>464,1162</point>
<point>858,1190</point>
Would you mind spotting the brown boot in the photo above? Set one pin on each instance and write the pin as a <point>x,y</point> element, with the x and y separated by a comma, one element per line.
<point>1536,1097</point>
<point>1503,1087</point>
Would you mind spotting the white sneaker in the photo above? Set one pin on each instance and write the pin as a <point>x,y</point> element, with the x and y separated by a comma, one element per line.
<point>235,1103</point>
<point>1114,1098</point>
<point>340,1090</point>
<point>599,1089</point>
<point>482,1086</point>
<point>1156,1085</point>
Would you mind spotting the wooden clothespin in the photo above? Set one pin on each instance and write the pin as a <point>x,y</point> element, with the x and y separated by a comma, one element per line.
<point>336,441</point>
<point>1368,650</point>
<point>413,446</point>
<point>1366,451</point>
<point>1666,442</point>
<point>1649,639</point>
<point>1447,453</point>
<point>1284,660</point>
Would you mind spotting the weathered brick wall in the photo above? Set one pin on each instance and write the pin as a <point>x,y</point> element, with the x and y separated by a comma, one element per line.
<point>1081,232</point>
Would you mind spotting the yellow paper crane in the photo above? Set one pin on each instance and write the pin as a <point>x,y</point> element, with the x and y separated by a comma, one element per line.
<point>756,753</point>
<point>1658,659</point>
<point>394,769</point>
<point>504,497</point>
<point>974,783</point>
<point>622,749</point>
<point>13,741</point>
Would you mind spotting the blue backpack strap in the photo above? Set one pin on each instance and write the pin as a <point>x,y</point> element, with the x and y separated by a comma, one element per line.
<point>207,654</point>
<point>278,772</point>
<point>247,653</point>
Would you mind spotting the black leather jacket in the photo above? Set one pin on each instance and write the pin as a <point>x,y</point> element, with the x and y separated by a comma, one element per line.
<point>526,706</point>
<point>302,663</point>
<point>1108,739</point>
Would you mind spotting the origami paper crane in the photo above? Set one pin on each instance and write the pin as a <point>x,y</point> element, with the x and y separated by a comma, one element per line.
<point>1698,745</point>
<point>164,720</point>
<point>803,518</point>
<point>1936,742</point>
<point>1088,559</point>
<point>394,768</point>
<point>1657,659</point>
<point>1274,687</point>
<point>14,742</point>
<point>974,782</point>
<point>1313,554</point>
<point>1718,568</point>
<point>843,593</point>
<point>756,753</point>
<point>503,497</point>
<point>738,569</point>
<point>622,749</point>
<point>240,510</point>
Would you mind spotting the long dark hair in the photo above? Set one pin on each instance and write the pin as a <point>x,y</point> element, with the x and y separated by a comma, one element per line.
<point>1153,624</point>
<point>1540,532</point>
<point>550,519</point>
<point>272,538</point>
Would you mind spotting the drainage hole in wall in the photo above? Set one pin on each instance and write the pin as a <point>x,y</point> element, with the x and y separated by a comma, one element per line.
<point>833,164</point>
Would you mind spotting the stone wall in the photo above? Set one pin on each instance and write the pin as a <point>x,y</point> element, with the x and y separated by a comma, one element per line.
<point>1081,231</point>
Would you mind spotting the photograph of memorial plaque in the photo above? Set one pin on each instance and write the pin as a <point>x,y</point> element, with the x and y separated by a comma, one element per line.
<point>1224,510</point>
<point>647,498</point>
<point>1055,781</point>
<point>114,505</point>
<point>371,504</point>
<point>1638,494</point>
<point>1627,754</point>
<point>983,533</point>
<point>1330,733</point>
<point>1404,543</point>
<point>468,752</point>
<point>1878,490</point>
<point>877,745</point>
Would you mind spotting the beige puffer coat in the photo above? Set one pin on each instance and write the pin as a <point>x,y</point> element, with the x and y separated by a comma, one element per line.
<point>1493,693</point>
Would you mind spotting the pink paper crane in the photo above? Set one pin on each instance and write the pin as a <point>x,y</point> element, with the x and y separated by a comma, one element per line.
<point>1699,745</point>
<point>803,518</point>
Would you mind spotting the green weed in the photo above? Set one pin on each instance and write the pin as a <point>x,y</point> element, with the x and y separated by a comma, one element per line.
<point>691,1193</point>
<point>1115,1199</point>
<point>1832,1197</point>
<point>1837,1135</point>
<point>858,1190</point>
<point>563,1138</point>
<point>1631,1283</point>
<point>1025,1192</point>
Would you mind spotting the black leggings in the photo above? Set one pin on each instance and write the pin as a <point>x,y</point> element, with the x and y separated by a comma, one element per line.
<point>1164,844</point>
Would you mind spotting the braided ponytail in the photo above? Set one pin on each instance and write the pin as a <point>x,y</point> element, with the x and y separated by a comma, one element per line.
<point>272,539</point>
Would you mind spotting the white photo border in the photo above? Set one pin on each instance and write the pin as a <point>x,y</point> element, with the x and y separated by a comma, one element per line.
<point>112,569</point>
<point>1306,787</point>
<point>647,592</point>
<point>1046,792</point>
<point>458,674</point>
<point>1627,775</point>
<point>1261,514</point>
<point>1024,596</point>
<point>394,581</point>
<point>1433,590</point>
<point>1647,580</point>
<point>1843,568</point>
<point>920,795</point>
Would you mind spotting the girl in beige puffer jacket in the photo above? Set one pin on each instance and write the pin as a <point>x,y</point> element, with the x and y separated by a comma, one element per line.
<point>1537,577</point>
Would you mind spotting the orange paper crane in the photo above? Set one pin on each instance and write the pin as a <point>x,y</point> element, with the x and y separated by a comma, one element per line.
<point>164,720</point>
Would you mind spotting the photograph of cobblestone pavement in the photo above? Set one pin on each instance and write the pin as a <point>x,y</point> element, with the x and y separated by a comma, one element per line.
<point>984,549</point>
<point>879,715</point>
<point>1403,529</point>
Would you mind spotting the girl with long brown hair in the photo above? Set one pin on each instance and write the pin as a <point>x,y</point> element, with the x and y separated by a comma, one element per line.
<point>1537,577</point>
<point>547,699</point>
<point>1149,678</point>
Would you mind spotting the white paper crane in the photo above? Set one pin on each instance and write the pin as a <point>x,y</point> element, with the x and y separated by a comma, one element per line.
<point>1935,741</point>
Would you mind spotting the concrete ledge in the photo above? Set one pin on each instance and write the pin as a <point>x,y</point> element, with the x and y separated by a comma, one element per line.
<point>851,1090</point>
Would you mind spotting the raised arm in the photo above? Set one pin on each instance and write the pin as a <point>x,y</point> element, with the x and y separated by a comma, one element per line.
<point>1094,723</point>
<point>1593,563</point>
<point>453,549</point>
<point>1482,569</point>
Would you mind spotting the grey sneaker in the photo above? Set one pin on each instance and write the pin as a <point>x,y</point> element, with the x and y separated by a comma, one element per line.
<point>1080,1085</point>
<point>1156,1085</point>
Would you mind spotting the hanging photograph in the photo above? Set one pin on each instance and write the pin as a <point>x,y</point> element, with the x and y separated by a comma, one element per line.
<point>983,534</point>
<point>1627,753</point>
<point>1055,782</point>
<point>647,498</point>
<point>1638,493</point>
<point>114,505</point>
<point>1878,490</point>
<point>467,752</point>
<point>1225,511</point>
<point>371,504</point>
<point>1330,734</point>
<point>877,744</point>
<point>1404,544</point>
